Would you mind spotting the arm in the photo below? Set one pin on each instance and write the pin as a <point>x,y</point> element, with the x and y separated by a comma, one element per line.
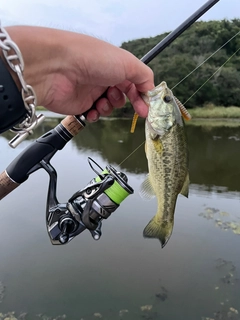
<point>70,71</point>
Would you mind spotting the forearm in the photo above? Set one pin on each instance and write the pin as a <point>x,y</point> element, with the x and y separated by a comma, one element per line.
<point>50,53</point>
<point>69,71</point>
<point>39,52</point>
<point>17,97</point>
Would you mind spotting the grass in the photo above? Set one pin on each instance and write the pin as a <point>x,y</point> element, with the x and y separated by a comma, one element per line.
<point>213,123</point>
<point>213,112</point>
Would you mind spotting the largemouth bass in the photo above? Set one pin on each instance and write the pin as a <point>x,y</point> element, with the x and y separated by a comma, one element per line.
<point>167,156</point>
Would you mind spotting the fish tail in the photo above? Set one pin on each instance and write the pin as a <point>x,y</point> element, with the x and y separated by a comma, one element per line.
<point>159,229</point>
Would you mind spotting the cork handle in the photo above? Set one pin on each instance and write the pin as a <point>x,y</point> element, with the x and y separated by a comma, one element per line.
<point>72,125</point>
<point>6,185</point>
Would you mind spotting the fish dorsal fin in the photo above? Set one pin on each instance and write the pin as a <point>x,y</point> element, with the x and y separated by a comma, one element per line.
<point>185,188</point>
<point>146,190</point>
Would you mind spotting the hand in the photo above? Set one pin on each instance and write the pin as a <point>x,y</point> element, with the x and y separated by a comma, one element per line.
<point>70,71</point>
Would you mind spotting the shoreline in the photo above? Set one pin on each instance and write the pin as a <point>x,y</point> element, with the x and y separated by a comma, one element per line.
<point>201,121</point>
<point>214,122</point>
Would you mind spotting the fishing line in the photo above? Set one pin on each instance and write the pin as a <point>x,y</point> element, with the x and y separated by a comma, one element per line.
<point>205,60</point>
<point>199,87</point>
<point>131,153</point>
<point>212,75</point>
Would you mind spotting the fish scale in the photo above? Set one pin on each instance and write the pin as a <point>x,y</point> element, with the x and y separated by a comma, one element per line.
<point>167,155</point>
<point>169,167</point>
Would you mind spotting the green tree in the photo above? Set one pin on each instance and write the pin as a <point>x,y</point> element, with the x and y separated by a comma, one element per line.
<point>190,50</point>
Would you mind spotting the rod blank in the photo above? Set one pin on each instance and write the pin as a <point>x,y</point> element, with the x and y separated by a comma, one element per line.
<point>179,30</point>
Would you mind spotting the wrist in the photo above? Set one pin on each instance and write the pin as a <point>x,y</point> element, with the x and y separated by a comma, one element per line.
<point>12,73</point>
<point>37,67</point>
<point>12,108</point>
<point>16,108</point>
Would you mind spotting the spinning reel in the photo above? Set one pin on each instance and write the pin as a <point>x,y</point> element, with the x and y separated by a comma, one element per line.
<point>87,207</point>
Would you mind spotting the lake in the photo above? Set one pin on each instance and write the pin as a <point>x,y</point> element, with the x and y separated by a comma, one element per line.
<point>123,275</point>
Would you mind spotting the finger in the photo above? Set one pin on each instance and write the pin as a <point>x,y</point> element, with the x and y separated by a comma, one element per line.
<point>92,115</point>
<point>104,107</point>
<point>139,74</point>
<point>116,97</point>
<point>135,98</point>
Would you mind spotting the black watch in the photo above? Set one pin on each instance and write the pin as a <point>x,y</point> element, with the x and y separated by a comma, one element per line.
<point>12,108</point>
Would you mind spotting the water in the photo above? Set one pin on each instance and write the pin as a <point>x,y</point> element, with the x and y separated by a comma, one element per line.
<point>123,275</point>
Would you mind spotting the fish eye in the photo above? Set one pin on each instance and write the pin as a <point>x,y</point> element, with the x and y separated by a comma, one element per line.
<point>167,99</point>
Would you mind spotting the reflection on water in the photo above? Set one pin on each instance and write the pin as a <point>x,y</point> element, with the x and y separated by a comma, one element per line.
<point>215,154</point>
<point>124,276</point>
<point>214,151</point>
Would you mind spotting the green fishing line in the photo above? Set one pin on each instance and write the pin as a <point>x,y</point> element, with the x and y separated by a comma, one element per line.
<point>116,192</point>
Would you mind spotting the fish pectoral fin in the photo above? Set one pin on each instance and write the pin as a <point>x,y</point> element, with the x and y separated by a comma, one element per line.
<point>185,188</point>
<point>146,190</point>
<point>159,229</point>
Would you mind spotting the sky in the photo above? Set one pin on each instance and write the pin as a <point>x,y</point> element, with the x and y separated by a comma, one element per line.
<point>115,21</point>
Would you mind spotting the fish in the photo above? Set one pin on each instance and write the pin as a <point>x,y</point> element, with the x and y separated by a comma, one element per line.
<point>167,157</point>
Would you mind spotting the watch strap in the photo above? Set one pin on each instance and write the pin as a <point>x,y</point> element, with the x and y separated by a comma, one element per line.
<point>12,108</point>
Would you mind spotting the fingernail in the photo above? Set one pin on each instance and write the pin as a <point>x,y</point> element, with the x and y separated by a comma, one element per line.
<point>94,117</point>
<point>115,94</point>
<point>106,107</point>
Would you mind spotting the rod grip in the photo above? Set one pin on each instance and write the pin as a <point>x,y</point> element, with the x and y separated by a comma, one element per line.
<point>73,124</point>
<point>6,185</point>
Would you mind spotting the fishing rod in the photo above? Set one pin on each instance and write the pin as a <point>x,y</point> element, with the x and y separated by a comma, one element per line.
<point>178,31</point>
<point>102,196</point>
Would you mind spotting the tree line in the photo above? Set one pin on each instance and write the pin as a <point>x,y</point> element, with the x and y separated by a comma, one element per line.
<point>188,51</point>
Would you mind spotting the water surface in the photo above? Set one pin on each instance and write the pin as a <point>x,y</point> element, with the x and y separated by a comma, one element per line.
<point>123,275</point>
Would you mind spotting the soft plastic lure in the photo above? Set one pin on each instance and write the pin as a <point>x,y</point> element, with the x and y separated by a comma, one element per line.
<point>185,114</point>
